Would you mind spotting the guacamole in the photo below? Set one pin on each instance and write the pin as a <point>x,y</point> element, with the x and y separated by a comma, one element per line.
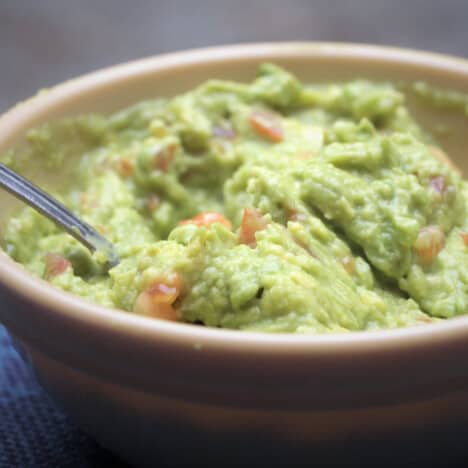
<point>273,206</point>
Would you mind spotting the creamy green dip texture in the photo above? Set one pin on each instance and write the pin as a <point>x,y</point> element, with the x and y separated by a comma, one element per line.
<point>272,206</point>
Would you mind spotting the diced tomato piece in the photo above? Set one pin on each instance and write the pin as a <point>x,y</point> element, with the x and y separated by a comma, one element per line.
<point>164,292</point>
<point>55,265</point>
<point>252,222</point>
<point>158,299</point>
<point>164,157</point>
<point>225,132</point>
<point>464,236</point>
<point>349,263</point>
<point>267,124</point>
<point>125,167</point>
<point>438,184</point>
<point>429,243</point>
<point>207,219</point>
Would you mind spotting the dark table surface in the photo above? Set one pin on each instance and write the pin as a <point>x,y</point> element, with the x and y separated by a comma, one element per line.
<point>43,42</point>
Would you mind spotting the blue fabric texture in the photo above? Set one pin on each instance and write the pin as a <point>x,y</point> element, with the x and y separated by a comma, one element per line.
<point>33,431</point>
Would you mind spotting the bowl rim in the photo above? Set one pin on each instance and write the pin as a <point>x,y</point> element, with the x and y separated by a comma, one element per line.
<point>65,307</point>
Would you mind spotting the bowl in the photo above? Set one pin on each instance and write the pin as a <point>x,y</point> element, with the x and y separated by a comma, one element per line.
<point>160,392</point>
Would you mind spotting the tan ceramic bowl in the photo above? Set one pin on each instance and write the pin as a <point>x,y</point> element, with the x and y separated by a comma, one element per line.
<point>155,391</point>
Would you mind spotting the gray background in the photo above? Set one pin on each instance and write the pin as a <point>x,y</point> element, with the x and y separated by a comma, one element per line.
<point>43,42</point>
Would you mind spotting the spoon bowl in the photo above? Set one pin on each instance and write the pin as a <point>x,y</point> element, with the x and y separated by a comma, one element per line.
<point>59,214</point>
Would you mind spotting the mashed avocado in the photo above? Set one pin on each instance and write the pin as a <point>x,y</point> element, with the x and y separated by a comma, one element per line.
<point>271,206</point>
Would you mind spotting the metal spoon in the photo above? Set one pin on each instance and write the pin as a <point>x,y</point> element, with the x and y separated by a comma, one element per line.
<point>55,211</point>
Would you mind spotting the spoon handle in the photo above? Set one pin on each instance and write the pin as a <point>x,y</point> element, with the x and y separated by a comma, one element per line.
<point>55,211</point>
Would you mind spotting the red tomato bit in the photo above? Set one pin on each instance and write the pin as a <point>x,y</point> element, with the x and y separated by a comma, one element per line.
<point>207,219</point>
<point>267,124</point>
<point>158,299</point>
<point>125,167</point>
<point>464,236</point>
<point>55,265</point>
<point>429,243</point>
<point>252,222</point>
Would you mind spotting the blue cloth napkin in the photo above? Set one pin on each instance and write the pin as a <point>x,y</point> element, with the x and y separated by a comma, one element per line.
<point>33,431</point>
